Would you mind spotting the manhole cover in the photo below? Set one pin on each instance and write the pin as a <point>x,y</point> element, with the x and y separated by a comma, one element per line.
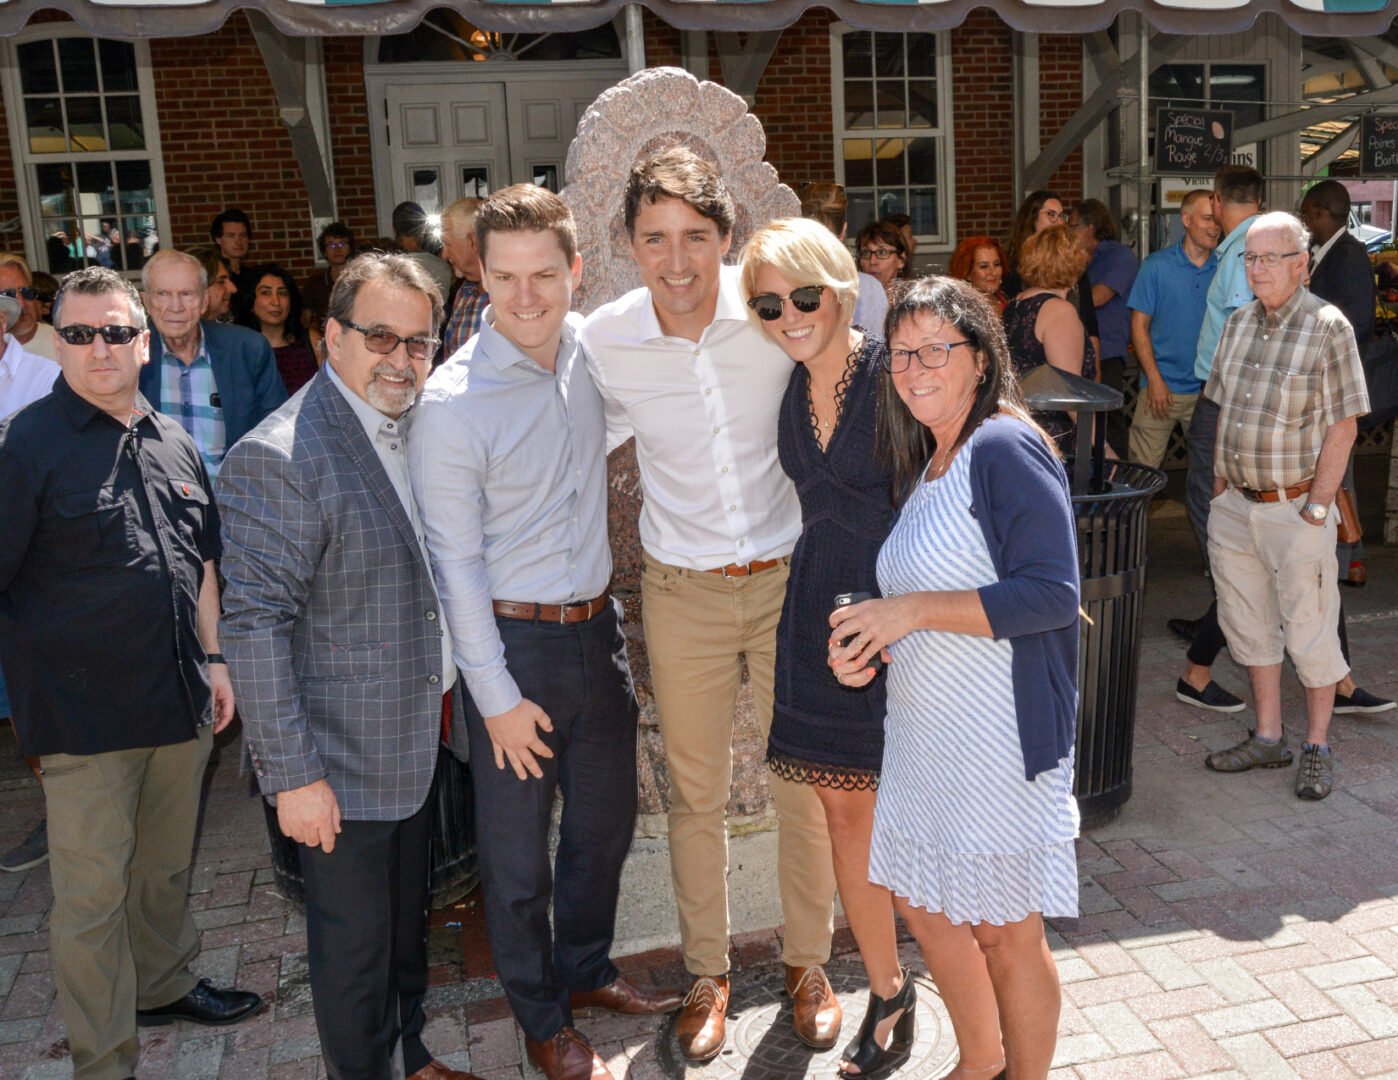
<point>762,1045</point>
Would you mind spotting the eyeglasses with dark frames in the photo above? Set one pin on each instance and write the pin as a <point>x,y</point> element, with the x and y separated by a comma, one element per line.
<point>899,360</point>
<point>24,292</point>
<point>384,342</point>
<point>79,334</point>
<point>877,253</point>
<point>768,305</point>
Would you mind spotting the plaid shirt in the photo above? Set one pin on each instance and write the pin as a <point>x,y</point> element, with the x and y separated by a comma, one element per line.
<point>465,320</point>
<point>1281,381</point>
<point>189,392</point>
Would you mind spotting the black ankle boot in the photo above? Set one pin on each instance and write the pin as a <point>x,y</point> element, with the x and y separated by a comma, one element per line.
<point>864,1053</point>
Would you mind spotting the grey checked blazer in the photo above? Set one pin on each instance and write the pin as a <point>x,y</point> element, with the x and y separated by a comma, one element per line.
<point>330,622</point>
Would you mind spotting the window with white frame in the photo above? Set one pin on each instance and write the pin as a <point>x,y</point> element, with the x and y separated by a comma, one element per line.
<point>892,105</point>
<point>87,149</point>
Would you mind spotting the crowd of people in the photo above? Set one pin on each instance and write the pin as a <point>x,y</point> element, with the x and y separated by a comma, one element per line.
<point>367,511</point>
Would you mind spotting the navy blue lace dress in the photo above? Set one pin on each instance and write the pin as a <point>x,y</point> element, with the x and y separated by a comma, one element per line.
<point>822,732</point>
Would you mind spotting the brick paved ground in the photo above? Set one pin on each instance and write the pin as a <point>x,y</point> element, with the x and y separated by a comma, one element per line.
<point>1228,930</point>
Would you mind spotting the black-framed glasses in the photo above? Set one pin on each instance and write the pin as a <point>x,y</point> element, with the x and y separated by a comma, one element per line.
<point>877,253</point>
<point>78,334</point>
<point>1271,259</point>
<point>24,292</point>
<point>768,305</point>
<point>937,355</point>
<point>384,342</point>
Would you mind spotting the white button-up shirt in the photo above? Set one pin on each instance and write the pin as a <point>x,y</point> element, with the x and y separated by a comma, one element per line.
<point>705,419</point>
<point>24,377</point>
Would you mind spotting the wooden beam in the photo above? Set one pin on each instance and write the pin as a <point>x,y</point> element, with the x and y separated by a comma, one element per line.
<point>743,58</point>
<point>1102,54</point>
<point>284,57</point>
<point>1369,67</point>
<point>1303,118</point>
<point>1099,104</point>
<point>1332,149</point>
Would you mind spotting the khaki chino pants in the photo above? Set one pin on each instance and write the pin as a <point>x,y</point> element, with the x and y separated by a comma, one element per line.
<point>1149,438</point>
<point>699,627</point>
<point>121,840</point>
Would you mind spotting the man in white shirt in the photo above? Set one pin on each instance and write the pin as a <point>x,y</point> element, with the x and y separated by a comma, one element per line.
<point>17,282</point>
<point>680,366</point>
<point>24,377</point>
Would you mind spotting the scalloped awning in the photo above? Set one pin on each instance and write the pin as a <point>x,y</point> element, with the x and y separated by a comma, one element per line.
<point>166,18</point>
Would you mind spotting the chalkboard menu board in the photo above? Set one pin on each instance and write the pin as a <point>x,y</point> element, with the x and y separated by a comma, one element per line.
<point>1378,145</point>
<point>1192,141</point>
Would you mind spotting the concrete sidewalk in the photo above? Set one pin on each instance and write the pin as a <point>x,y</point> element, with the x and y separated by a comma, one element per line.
<point>1228,929</point>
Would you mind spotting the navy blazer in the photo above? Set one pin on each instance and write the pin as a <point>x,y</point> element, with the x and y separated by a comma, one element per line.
<point>245,370</point>
<point>1345,278</point>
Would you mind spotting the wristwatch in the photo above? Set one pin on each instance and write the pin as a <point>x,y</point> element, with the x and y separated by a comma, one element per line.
<point>1316,512</point>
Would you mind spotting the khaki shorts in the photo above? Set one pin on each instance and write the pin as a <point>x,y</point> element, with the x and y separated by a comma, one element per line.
<point>1275,575</point>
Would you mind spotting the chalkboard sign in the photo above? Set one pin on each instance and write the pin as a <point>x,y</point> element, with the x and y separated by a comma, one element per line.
<point>1378,145</point>
<point>1192,141</point>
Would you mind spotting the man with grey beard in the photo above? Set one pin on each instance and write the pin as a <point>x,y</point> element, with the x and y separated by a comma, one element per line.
<point>334,635</point>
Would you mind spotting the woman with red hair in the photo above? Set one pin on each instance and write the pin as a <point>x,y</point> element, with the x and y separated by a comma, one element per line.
<point>980,260</point>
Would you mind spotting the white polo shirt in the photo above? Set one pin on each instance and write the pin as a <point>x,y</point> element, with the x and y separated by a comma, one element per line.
<point>705,419</point>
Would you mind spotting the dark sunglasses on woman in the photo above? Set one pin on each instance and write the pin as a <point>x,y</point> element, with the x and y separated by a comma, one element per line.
<point>24,292</point>
<point>769,305</point>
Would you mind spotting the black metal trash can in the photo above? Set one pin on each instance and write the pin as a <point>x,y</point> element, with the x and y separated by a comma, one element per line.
<point>1112,563</point>
<point>451,846</point>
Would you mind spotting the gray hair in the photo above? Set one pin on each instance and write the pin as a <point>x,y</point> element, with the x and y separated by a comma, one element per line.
<point>170,255</point>
<point>391,269</point>
<point>99,281</point>
<point>1283,221</point>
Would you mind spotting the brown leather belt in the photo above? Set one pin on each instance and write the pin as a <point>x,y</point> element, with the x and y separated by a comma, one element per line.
<point>744,569</point>
<point>554,613</point>
<point>1276,496</point>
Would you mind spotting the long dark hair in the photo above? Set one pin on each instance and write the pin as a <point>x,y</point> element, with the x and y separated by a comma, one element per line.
<point>294,330</point>
<point>905,444</point>
<point>1023,226</point>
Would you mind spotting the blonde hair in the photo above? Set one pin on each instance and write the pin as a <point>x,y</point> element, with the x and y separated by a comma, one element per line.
<point>12,258</point>
<point>1052,259</point>
<point>804,252</point>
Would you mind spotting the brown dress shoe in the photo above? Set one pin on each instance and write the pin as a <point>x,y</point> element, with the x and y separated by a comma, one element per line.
<point>817,1012</point>
<point>567,1057</point>
<point>626,997</point>
<point>435,1070</point>
<point>699,1029</point>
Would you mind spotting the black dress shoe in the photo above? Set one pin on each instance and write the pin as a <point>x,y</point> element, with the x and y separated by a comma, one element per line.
<point>205,1004</point>
<point>1183,628</point>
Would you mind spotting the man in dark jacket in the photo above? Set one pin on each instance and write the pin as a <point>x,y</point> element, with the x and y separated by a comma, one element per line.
<point>217,382</point>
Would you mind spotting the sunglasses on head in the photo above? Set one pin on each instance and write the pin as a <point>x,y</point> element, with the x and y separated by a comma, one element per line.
<point>769,305</point>
<point>24,292</point>
<point>78,334</point>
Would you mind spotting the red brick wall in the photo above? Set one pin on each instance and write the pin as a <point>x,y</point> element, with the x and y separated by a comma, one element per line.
<point>349,134</point>
<point>224,145</point>
<point>9,201</point>
<point>1060,86</point>
<point>982,80</point>
<point>794,101</point>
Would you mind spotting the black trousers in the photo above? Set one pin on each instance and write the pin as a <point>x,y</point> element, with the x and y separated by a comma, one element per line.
<point>366,932</point>
<point>578,675</point>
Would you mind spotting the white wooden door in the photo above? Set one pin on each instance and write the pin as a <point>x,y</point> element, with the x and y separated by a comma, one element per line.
<point>446,142</point>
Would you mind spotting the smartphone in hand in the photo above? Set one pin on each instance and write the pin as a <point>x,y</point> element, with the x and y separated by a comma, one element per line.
<point>845,600</point>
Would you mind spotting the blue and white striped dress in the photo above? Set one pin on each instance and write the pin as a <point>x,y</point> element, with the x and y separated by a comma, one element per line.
<point>957,828</point>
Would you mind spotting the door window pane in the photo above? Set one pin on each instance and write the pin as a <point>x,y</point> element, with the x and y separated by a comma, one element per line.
<point>475,182</point>
<point>546,176</point>
<point>426,189</point>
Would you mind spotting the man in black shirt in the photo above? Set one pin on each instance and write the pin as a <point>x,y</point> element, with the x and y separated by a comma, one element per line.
<point>109,638</point>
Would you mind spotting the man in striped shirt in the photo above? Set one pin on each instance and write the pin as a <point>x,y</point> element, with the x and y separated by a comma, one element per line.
<point>1290,388</point>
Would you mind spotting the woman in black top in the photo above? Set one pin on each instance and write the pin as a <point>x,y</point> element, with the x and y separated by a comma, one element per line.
<point>801,285</point>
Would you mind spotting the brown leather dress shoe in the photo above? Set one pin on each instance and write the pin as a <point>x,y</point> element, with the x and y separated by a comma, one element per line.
<point>435,1070</point>
<point>567,1057</point>
<point>625,996</point>
<point>699,1029</point>
<point>817,1012</point>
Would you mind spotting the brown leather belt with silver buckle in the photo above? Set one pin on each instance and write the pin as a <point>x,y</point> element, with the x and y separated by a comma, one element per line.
<point>1276,496</point>
<point>554,613</point>
<point>744,569</point>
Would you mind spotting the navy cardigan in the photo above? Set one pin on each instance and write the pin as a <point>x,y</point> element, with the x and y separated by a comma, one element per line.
<point>1019,496</point>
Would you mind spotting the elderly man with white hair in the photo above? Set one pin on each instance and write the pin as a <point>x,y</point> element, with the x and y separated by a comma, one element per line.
<point>1290,387</point>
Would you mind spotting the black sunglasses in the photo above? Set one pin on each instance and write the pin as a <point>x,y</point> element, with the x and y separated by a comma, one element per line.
<point>24,292</point>
<point>78,334</point>
<point>768,305</point>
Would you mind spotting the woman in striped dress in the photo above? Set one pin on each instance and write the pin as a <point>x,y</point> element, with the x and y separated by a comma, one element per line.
<point>975,820</point>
